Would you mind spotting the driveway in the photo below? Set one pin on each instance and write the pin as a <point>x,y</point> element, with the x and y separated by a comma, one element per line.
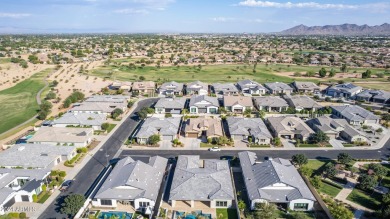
<point>190,143</point>
<point>336,143</point>
<point>287,143</point>
<point>166,145</point>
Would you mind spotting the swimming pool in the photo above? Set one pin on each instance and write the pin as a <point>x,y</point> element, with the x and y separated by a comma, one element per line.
<point>118,214</point>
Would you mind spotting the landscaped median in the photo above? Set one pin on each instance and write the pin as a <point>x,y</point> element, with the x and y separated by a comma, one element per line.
<point>314,145</point>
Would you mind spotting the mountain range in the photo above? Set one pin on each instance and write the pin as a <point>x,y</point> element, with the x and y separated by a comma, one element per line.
<point>343,29</point>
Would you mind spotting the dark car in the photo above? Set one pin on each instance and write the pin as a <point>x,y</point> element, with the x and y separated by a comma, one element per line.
<point>65,185</point>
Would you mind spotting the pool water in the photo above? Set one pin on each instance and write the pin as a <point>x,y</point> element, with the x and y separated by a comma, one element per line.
<point>190,216</point>
<point>118,214</point>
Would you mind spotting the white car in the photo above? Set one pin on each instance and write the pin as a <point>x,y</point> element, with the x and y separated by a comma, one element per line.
<point>215,149</point>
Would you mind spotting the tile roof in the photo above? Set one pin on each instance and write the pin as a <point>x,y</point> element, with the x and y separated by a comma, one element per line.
<point>153,125</point>
<point>270,101</point>
<point>299,101</point>
<point>191,181</point>
<point>33,155</point>
<point>225,88</point>
<point>197,100</point>
<point>61,135</point>
<point>237,100</point>
<point>278,86</point>
<point>212,125</point>
<point>290,124</point>
<point>305,85</point>
<point>87,119</point>
<point>248,126</point>
<point>355,113</point>
<point>171,103</point>
<point>258,176</point>
<point>131,179</point>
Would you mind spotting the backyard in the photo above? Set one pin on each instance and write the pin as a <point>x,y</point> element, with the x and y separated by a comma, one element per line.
<point>368,200</point>
<point>226,213</point>
<point>19,102</point>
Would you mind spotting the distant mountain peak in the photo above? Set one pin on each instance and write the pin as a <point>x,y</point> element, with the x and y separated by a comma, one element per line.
<point>342,29</point>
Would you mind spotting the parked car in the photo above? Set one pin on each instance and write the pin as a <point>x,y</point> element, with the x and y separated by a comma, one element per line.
<point>215,149</point>
<point>65,185</point>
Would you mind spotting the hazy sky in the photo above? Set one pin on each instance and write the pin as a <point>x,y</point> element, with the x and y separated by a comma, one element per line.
<point>216,16</point>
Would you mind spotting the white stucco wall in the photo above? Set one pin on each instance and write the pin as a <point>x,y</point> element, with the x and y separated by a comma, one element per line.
<point>309,202</point>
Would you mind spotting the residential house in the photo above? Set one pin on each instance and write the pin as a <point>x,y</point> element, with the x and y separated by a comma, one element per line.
<point>237,104</point>
<point>346,90</point>
<point>20,185</point>
<point>302,103</point>
<point>170,105</point>
<point>204,127</point>
<point>251,87</point>
<point>305,87</point>
<point>197,88</point>
<point>134,183</point>
<point>120,86</point>
<point>274,181</point>
<point>248,129</point>
<point>108,99</point>
<point>270,103</point>
<point>278,88</point>
<point>35,156</point>
<point>355,115</point>
<point>80,137</point>
<point>375,96</point>
<point>225,89</point>
<point>98,107</point>
<point>143,88</point>
<point>167,128</point>
<point>92,120</point>
<point>203,104</point>
<point>171,89</point>
<point>337,128</point>
<point>208,181</point>
<point>289,127</point>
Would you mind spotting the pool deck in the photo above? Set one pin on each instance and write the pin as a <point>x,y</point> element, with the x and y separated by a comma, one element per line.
<point>185,207</point>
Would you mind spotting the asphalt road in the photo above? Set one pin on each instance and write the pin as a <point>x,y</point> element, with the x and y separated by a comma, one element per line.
<point>382,153</point>
<point>90,172</point>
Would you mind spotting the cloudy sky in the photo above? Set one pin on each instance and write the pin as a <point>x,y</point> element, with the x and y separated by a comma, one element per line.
<point>215,16</point>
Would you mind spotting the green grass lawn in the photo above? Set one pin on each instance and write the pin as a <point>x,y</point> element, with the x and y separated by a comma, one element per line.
<point>313,146</point>
<point>217,73</point>
<point>206,145</point>
<point>317,164</point>
<point>18,103</point>
<point>226,213</point>
<point>111,127</point>
<point>368,200</point>
<point>329,189</point>
<point>43,197</point>
<point>386,180</point>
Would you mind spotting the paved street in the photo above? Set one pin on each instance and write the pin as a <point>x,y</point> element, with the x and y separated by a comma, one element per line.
<point>382,153</point>
<point>88,174</point>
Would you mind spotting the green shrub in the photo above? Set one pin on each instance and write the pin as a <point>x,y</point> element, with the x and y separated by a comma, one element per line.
<point>35,198</point>
<point>22,215</point>
<point>62,174</point>
<point>44,188</point>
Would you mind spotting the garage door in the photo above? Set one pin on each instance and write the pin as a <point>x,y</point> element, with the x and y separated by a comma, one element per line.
<point>168,137</point>
<point>192,135</point>
<point>10,203</point>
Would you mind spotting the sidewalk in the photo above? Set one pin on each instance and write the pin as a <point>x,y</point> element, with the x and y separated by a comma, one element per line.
<point>75,170</point>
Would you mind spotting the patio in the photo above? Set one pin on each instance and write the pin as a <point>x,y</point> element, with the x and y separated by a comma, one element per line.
<point>183,206</point>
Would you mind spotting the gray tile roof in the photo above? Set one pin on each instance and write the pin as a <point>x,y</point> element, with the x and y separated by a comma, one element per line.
<point>171,103</point>
<point>377,94</point>
<point>173,85</point>
<point>225,88</point>
<point>197,85</point>
<point>270,101</point>
<point>305,85</point>
<point>33,155</point>
<point>192,181</point>
<point>84,119</point>
<point>258,176</point>
<point>298,101</point>
<point>33,176</point>
<point>249,84</point>
<point>62,135</point>
<point>197,100</point>
<point>354,113</point>
<point>247,127</point>
<point>108,98</point>
<point>103,107</point>
<point>290,124</point>
<point>153,125</point>
<point>131,179</point>
<point>278,86</point>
